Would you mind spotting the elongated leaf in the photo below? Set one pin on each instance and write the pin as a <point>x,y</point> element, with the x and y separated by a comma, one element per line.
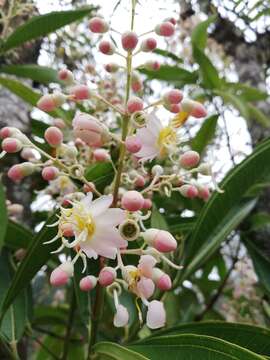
<point>258,115</point>
<point>41,74</point>
<point>205,135</point>
<point>254,338</point>
<point>209,73</point>
<point>199,34</point>
<point>37,255</point>
<point>261,264</point>
<point>116,352</point>
<point>14,321</point>
<point>223,212</point>
<point>247,92</point>
<point>173,74</point>
<point>100,174</point>
<point>168,54</point>
<point>17,236</point>
<point>193,347</point>
<point>43,25</point>
<point>28,95</point>
<point>3,215</point>
<point>158,221</point>
<point>237,102</point>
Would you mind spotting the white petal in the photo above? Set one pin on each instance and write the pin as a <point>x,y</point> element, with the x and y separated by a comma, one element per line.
<point>156,316</point>
<point>146,264</point>
<point>100,205</point>
<point>87,200</point>
<point>146,137</point>
<point>121,317</point>
<point>111,217</point>
<point>146,287</point>
<point>147,152</point>
<point>154,124</point>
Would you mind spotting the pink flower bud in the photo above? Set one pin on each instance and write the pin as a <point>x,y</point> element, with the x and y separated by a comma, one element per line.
<point>161,240</point>
<point>8,131</point>
<point>188,191</point>
<point>107,276</point>
<point>111,67</point>
<point>165,29</point>
<point>162,280</point>
<point>88,129</point>
<point>148,45</point>
<point>67,230</point>
<point>88,283</point>
<point>59,123</point>
<point>204,193</point>
<point>189,159</point>
<point>98,25</point>
<point>106,47</point>
<point>50,173</point>
<point>156,315</point>
<point>147,204</point>
<point>61,274</point>
<point>133,144</point>
<point>140,182</point>
<point>152,65</point>
<point>129,40</point>
<point>66,76</point>
<point>15,173</point>
<point>171,20</point>
<point>174,108</point>
<point>121,317</point>
<point>101,155</point>
<point>50,102</point>
<point>136,85</point>
<point>11,145</point>
<point>134,104</point>
<point>90,187</point>
<point>80,92</point>
<point>132,201</point>
<point>53,136</point>
<point>173,96</point>
<point>194,108</point>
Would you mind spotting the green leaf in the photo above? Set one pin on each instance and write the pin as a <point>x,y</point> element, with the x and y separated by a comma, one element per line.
<point>199,34</point>
<point>193,347</point>
<point>28,95</point>
<point>236,101</point>
<point>254,338</point>
<point>172,74</point>
<point>100,174</point>
<point>38,127</point>
<point>158,221</point>
<point>168,54</point>
<point>41,74</point>
<point>261,263</point>
<point>17,236</point>
<point>247,92</point>
<point>114,351</point>
<point>3,215</point>
<point>205,135</point>
<point>258,115</point>
<point>37,255</point>
<point>43,25</point>
<point>209,74</point>
<point>15,319</point>
<point>223,212</point>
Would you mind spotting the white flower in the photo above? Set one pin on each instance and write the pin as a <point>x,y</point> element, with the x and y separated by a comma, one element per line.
<point>121,316</point>
<point>94,226</point>
<point>156,315</point>
<point>156,139</point>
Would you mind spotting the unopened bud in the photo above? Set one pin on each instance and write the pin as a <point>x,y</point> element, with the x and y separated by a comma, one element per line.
<point>88,283</point>
<point>157,170</point>
<point>132,201</point>
<point>53,136</point>
<point>98,25</point>
<point>11,145</point>
<point>50,173</point>
<point>189,159</point>
<point>134,104</point>
<point>148,45</point>
<point>106,47</point>
<point>165,29</point>
<point>188,191</point>
<point>152,65</point>
<point>66,76</point>
<point>129,40</point>
<point>107,276</point>
<point>161,240</point>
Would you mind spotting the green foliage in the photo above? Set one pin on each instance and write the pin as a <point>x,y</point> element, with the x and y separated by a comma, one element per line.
<point>3,216</point>
<point>172,74</point>
<point>17,236</point>
<point>199,34</point>
<point>43,25</point>
<point>111,351</point>
<point>100,174</point>
<point>41,74</point>
<point>224,211</point>
<point>205,135</point>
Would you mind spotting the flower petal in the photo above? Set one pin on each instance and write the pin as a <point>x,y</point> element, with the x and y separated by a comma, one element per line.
<point>111,217</point>
<point>145,287</point>
<point>100,205</point>
<point>146,264</point>
<point>156,315</point>
<point>121,317</point>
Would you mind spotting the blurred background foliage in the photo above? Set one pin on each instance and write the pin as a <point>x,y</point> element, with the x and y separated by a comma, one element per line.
<point>220,55</point>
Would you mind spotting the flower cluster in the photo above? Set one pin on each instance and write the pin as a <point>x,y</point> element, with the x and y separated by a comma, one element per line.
<point>104,223</point>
